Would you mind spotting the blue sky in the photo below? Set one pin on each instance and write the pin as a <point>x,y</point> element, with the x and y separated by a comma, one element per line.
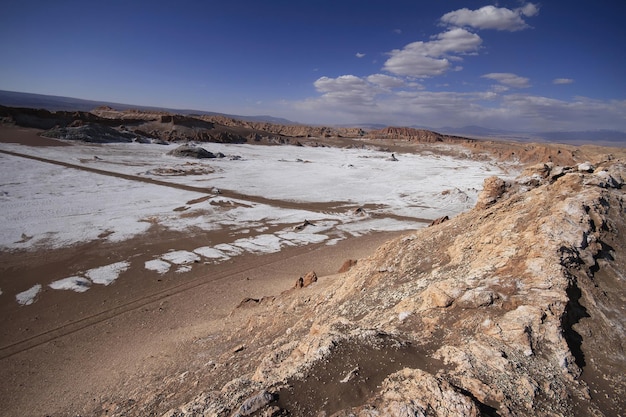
<point>507,65</point>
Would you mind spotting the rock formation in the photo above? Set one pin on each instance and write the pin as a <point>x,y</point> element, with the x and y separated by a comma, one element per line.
<point>515,308</point>
<point>439,221</point>
<point>347,265</point>
<point>415,135</point>
<point>190,151</point>
<point>162,127</point>
<point>92,133</point>
<point>308,279</point>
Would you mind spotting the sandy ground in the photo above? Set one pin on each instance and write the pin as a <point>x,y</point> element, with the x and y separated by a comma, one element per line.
<point>68,352</point>
<point>70,349</point>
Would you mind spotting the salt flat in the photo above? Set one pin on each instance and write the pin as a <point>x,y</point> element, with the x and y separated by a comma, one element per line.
<point>34,194</point>
<point>340,192</point>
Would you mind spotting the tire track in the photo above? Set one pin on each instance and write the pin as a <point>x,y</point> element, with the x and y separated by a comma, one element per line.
<point>87,321</point>
<point>339,206</point>
<point>155,297</point>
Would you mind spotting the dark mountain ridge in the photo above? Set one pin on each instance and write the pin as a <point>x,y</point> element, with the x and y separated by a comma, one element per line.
<point>60,103</point>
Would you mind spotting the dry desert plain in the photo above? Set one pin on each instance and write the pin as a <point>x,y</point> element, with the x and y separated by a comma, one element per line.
<point>127,274</point>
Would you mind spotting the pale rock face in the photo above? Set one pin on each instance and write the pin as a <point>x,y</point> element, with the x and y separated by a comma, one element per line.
<point>493,188</point>
<point>494,311</point>
<point>412,392</point>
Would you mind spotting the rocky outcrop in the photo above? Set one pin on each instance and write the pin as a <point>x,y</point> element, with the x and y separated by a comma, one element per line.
<point>407,133</point>
<point>193,122</point>
<point>347,265</point>
<point>493,188</point>
<point>415,135</point>
<point>289,130</point>
<point>512,309</point>
<point>191,151</point>
<point>308,279</point>
<point>439,221</point>
<point>44,119</point>
<point>92,133</point>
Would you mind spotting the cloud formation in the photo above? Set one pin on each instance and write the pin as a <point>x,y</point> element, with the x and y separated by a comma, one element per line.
<point>395,96</point>
<point>426,59</point>
<point>435,57</point>
<point>346,90</point>
<point>508,79</point>
<point>364,102</point>
<point>491,17</point>
<point>360,55</point>
<point>385,81</point>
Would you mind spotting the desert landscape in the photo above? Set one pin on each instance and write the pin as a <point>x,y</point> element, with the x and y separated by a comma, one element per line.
<point>321,208</point>
<point>179,265</point>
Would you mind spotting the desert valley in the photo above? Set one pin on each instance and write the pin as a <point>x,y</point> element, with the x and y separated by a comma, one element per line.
<point>163,264</point>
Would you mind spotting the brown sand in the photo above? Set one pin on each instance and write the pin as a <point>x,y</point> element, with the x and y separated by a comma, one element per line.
<point>26,136</point>
<point>67,348</point>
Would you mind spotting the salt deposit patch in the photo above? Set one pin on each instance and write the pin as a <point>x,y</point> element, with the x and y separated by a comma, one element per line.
<point>377,225</point>
<point>180,257</point>
<point>302,238</point>
<point>211,253</point>
<point>158,265</point>
<point>37,205</point>
<point>260,244</point>
<point>105,275</point>
<point>229,249</point>
<point>29,296</point>
<point>78,284</point>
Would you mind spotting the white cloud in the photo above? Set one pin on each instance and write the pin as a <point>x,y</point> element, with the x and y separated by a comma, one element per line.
<point>500,88</point>
<point>395,98</point>
<point>426,59</point>
<point>508,79</point>
<point>344,83</point>
<point>491,17</point>
<point>581,113</point>
<point>369,103</point>
<point>530,9</point>
<point>385,81</point>
<point>455,41</point>
<point>357,92</point>
<point>359,55</point>
<point>346,90</point>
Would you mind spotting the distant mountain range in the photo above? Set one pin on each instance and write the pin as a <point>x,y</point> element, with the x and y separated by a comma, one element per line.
<point>58,103</point>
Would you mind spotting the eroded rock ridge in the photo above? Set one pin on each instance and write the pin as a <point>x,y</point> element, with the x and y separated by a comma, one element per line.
<point>515,308</point>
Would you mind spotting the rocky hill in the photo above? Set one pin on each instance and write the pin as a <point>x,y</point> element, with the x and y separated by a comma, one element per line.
<point>279,130</point>
<point>515,308</point>
<point>140,125</point>
<point>291,130</point>
<point>415,135</point>
<point>105,123</point>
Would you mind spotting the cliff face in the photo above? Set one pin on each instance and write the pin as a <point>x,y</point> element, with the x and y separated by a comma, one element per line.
<point>294,130</point>
<point>515,308</point>
<point>415,135</point>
